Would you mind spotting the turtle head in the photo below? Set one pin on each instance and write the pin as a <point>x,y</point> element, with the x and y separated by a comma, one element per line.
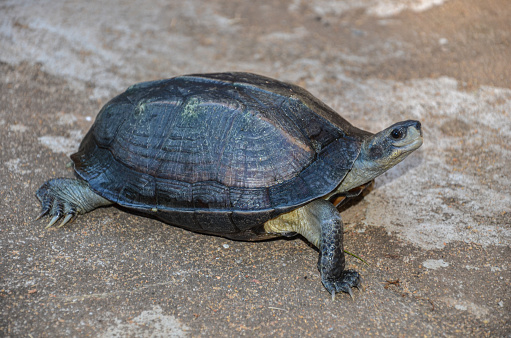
<point>382,151</point>
<point>390,146</point>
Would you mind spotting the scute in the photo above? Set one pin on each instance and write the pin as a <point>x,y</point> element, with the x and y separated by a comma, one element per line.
<point>216,146</point>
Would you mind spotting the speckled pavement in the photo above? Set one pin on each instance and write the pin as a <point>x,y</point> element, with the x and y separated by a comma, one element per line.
<point>435,230</point>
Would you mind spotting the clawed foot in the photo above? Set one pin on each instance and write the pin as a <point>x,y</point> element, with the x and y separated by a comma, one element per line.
<point>54,205</point>
<point>67,198</point>
<point>348,280</point>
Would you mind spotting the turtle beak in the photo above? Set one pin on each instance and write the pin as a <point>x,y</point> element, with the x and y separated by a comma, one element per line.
<point>414,137</point>
<point>417,126</point>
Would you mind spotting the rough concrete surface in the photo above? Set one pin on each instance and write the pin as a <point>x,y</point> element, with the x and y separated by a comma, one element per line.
<point>435,230</point>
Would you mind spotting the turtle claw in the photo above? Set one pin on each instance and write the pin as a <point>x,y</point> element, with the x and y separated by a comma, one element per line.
<point>66,219</point>
<point>55,218</point>
<point>43,212</point>
<point>351,294</point>
<point>54,205</point>
<point>349,280</point>
<point>53,221</point>
<point>348,291</point>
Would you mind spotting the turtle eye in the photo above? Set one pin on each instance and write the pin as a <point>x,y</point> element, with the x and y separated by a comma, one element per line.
<point>397,134</point>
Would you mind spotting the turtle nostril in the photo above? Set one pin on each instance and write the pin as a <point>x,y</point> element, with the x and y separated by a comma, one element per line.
<point>418,127</point>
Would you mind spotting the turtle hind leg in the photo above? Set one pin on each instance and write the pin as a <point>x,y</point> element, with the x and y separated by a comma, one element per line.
<point>66,197</point>
<point>321,223</point>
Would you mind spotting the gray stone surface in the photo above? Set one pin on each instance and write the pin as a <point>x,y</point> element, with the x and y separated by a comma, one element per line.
<point>435,230</point>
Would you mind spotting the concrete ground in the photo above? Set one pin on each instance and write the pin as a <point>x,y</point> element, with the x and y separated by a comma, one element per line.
<point>435,230</point>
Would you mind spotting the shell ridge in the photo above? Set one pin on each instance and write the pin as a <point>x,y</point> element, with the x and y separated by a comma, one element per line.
<point>168,118</point>
<point>275,121</point>
<point>248,94</point>
<point>255,83</point>
<point>224,143</point>
<point>292,120</point>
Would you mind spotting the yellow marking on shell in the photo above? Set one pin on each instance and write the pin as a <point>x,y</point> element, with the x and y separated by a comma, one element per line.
<point>154,210</point>
<point>191,109</point>
<point>141,107</point>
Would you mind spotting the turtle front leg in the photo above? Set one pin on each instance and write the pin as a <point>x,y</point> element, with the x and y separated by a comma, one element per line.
<point>331,261</point>
<point>67,197</point>
<point>321,223</point>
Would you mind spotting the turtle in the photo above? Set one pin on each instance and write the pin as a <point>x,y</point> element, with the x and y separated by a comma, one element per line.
<point>233,154</point>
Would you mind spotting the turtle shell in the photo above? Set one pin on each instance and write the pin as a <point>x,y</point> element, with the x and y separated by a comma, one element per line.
<point>216,153</point>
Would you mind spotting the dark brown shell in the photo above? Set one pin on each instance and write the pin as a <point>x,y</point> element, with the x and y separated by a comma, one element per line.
<point>216,153</point>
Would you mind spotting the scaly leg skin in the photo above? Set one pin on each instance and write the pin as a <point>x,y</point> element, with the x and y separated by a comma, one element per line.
<point>320,222</point>
<point>67,197</point>
<point>331,261</point>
